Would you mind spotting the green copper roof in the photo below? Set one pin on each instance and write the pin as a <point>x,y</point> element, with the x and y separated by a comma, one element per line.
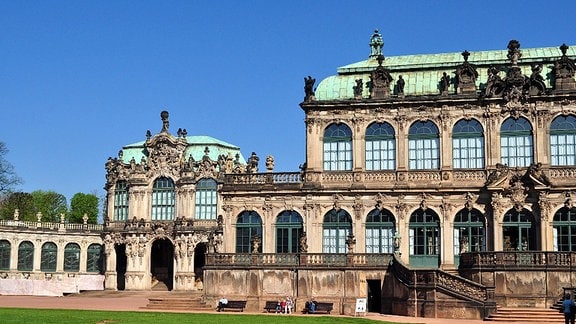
<point>422,72</point>
<point>196,147</point>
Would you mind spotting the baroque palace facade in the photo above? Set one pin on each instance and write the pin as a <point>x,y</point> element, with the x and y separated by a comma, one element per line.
<point>434,185</point>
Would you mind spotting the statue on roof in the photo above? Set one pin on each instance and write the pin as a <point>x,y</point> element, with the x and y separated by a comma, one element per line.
<point>358,89</point>
<point>466,76</point>
<point>514,53</point>
<point>309,89</point>
<point>564,70</point>
<point>536,85</point>
<point>400,86</point>
<point>165,122</point>
<point>376,44</point>
<point>444,83</point>
<point>380,80</point>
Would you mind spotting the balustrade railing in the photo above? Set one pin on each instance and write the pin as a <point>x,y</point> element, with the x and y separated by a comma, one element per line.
<point>517,259</point>
<point>292,260</point>
<point>51,225</point>
<point>263,178</point>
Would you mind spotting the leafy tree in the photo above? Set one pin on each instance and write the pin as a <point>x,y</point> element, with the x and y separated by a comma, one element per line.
<point>22,201</point>
<point>51,204</point>
<point>8,178</point>
<point>82,204</point>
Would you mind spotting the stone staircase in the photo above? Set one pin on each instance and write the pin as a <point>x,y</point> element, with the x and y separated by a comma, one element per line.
<point>189,302</point>
<point>526,315</point>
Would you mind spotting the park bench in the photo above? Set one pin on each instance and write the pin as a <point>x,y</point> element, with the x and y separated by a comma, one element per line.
<point>270,305</point>
<point>321,307</point>
<point>233,304</point>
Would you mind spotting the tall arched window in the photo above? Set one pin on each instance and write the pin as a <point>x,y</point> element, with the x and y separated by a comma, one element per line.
<point>563,140</point>
<point>423,146</point>
<point>380,230</point>
<point>468,145</point>
<point>337,148</point>
<point>5,248</point>
<point>26,256</point>
<point>519,230</point>
<point>564,229</point>
<point>288,231</point>
<point>248,228</point>
<point>163,199</point>
<point>206,199</point>
<point>72,257</point>
<point>424,238</point>
<point>380,147</point>
<point>121,201</point>
<point>94,258</point>
<point>516,143</point>
<point>48,257</point>
<point>469,231</point>
<point>336,227</point>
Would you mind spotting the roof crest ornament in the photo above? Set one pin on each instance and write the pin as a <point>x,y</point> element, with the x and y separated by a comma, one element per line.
<point>376,44</point>
<point>165,123</point>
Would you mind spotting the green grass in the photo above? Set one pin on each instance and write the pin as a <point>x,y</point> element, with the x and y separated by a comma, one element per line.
<point>48,316</point>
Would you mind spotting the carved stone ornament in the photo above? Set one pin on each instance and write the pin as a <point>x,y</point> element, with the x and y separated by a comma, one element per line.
<point>466,76</point>
<point>380,80</point>
<point>564,70</point>
<point>337,201</point>
<point>517,194</point>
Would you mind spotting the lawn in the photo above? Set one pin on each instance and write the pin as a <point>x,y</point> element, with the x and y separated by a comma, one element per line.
<point>48,316</point>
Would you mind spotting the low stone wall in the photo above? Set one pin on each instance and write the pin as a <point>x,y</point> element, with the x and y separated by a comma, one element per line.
<point>49,284</point>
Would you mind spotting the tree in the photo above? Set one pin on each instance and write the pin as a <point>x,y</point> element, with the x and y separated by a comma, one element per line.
<point>51,204</point>
<point>22,201</point>
<point>82,204</point>
<point>8,178</point>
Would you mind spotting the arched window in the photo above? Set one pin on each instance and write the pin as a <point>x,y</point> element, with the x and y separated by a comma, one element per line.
<point>468,145</point>
<point>94,258</point>
<point>424,238</point>
<point>380,147</point>
<point>564,229</point>
<point>469,231</point>
<point>5,248</point>
<point>248,228</point>
<point>48,257</point>
<point>335,229</point>
<point>380,230</point>
<point>337,148</point>
<point>423,146</point>
<point>563,140</point>
<point>288,231</point>
<point>26,256</point>
<point>516,143</point>
<point>163,199</point>
<point>519,231</point>
<point>72,257</point>
<point>206,199</point>
<point>121,201</point>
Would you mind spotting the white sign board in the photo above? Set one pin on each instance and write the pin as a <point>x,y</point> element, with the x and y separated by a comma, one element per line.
<point>361,305</point>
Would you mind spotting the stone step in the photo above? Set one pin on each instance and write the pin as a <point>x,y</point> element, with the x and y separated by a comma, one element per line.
<point>177,303</point>
<point>526,315</point>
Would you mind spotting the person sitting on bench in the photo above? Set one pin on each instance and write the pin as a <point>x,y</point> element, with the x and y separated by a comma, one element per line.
<point>221,303</point>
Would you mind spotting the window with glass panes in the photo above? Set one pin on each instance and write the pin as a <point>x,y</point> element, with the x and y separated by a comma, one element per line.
<point>206,200</point>
<point>94,258</point>
<point>564,229</point>
<point>336,227</point>
<point>516,143</point>
<point>72,257</point>
<point>337,148</point>
<point>121,201</point>
<point>424,232</point>
<point>469,231</point>
<point>518,230</point>
<point>563,140</point>
<point>288,231</point>
<point>423,146</point>
<point>380,147</point>
<point>5,248</point>
<point>25,256</point>
<point>48,257</point>
<point>163,199</point>
<point>468,145</point>
<point>248,226</point>
<point>380,230</point>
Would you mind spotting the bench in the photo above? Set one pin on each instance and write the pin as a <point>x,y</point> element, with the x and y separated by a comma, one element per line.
<point>321,307</point>
<point>271,306</point>
<point>233,304</point>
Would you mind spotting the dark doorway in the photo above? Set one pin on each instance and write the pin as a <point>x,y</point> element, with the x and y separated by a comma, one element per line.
<point>374,296</point>
<point>199,261</point>
<point>120,266</point>
<point>162,264</point>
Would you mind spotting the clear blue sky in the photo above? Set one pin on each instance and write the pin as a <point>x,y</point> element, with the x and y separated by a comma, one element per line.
<point>80,79</point>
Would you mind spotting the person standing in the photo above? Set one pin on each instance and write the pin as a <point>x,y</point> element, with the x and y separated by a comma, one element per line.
<point>568,305</point>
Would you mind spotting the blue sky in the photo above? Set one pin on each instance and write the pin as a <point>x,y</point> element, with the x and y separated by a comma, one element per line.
<point>80,79</point>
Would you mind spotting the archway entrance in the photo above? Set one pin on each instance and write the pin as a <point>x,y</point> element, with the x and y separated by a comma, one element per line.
<point>120,266</point>
<point>162,264</point>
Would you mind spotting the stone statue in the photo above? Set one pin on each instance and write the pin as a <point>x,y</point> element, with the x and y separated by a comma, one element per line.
<point>376,44</point>
<point>444,83</point>
<point>358,89</point>
<point>400,85</point>
<point>252,166</point>
<point>270,163</point>
<point>303,243</point>
<point>309,89</point>
<point>165,122</point>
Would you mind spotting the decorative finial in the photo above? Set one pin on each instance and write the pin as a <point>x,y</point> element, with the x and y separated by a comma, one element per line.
<point>514,53</point>
<point>564,48</point>
<point>376,44</point>
<point>380,59</point>
<point>465,54</point>
<point>165,122</point>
